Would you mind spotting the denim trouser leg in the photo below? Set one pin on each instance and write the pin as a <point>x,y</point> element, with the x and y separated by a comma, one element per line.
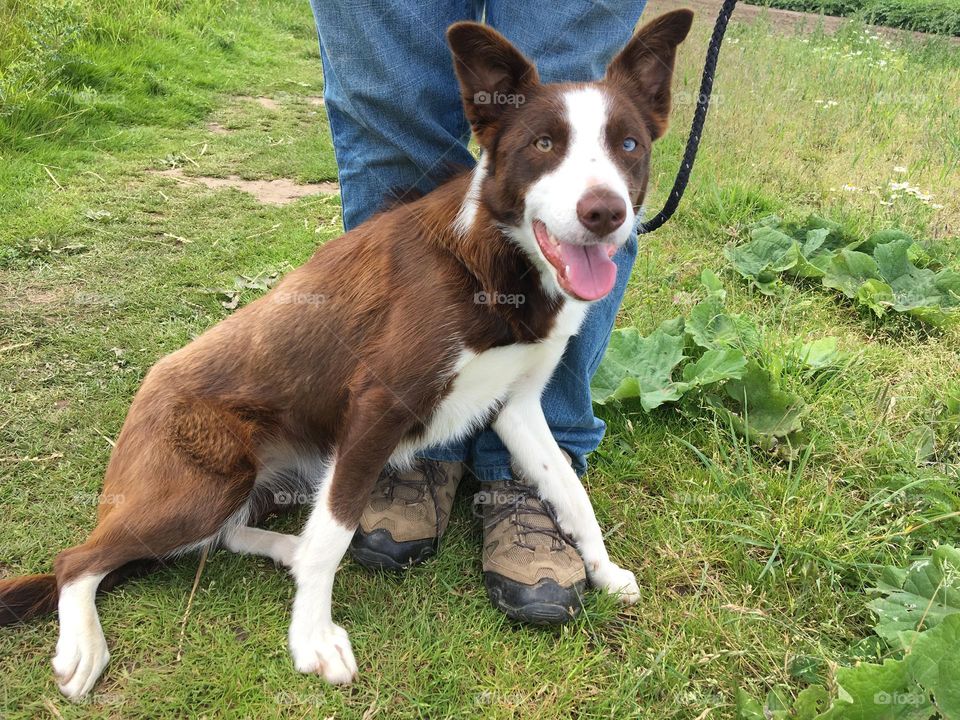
<point>391,97</point>
<point>397,123</point>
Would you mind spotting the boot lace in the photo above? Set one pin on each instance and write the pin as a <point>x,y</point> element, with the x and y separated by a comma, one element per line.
<point>428,477</point>
<point>517,504</point>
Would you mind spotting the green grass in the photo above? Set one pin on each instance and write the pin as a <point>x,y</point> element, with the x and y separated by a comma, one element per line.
<point>929,16</point>
<point>746,562</point>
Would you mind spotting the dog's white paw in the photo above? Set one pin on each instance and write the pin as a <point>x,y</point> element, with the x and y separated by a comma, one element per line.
<point>617,581</point>
<point>80,659</point>
<point>324,651</point>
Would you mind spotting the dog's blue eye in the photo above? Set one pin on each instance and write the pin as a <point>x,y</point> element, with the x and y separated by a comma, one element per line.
<point>629,144</point>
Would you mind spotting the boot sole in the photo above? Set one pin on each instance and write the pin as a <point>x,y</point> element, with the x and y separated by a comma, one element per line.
<point>379,551</point>
<point>546,603</point>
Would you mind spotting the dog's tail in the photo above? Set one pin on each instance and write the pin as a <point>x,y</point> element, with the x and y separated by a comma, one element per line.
<point>23,598</point>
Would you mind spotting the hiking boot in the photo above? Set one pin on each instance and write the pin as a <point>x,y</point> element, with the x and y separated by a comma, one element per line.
<point>532,570</point>
<point>407,513</point>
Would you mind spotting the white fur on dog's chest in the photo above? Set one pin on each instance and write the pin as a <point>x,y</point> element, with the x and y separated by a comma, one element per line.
<point>483,380</point>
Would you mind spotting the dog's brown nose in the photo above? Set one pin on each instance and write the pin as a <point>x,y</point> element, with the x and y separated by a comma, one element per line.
<point>601,210</point>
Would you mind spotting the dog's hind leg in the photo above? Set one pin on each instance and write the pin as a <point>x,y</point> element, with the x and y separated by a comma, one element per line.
<point>162,512</point>
<point>279,547</point>
<point>81,650</point>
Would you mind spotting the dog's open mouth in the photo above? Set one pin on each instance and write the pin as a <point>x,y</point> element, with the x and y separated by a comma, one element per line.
<point>584,271</point>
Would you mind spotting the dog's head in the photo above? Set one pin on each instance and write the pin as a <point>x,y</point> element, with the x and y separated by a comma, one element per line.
<point>565,166</point>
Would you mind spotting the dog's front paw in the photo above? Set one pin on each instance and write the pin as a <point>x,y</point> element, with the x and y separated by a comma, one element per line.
<point>617,581</point>
<point>324,651</point>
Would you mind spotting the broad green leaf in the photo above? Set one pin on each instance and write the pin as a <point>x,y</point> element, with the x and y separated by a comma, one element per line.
<point>820,354</point>
<point>938,317</point>
<point>815,221</point>
<point>712,328</point>
<point>777,704</point>
<point>948,283</point>
<point>922,597</point>
<point>922,443</point>
<point>822,262</point>
<point>879,692</point>
<point>765,409</point>
<point>921,292</point>
<point>652,399</point>
<point>881,237</point>
<point>815,250</point>
<point>637,366</point>
<point>886,272</point>
<point>810,703</point>
<point>748,708</point>
<point>674,326</point>
<point>807,668</point>
<point>889,280</point>
<point>876,295</point>
<point>768,253</point>
<point>934,663</point>
<point>848,270</point>
<point>920,684</point>
<point>915,252</point>
<point>811,267</point>
<point>768,221</point>
<point>810,231</point>
<point>813,241</point>
<point>892,260</point>
<point>713,286</point>
<point>715,366</point>
<point>923,289</point>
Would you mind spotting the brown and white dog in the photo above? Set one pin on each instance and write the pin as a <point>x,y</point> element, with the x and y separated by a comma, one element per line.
<point>377,347</point>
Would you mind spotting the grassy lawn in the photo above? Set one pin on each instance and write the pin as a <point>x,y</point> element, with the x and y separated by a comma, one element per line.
<point>747,562</point>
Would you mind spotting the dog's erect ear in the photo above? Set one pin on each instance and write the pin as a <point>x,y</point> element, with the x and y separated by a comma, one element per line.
<point>644,68</point>
<point>493,75</point>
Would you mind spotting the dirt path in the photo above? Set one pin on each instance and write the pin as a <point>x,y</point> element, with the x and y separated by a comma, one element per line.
<point>271,192</point>
<point>783,20</point>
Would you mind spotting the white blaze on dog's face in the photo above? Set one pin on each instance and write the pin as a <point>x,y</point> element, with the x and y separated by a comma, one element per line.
<point>580,213</point>
<point>565,166</point>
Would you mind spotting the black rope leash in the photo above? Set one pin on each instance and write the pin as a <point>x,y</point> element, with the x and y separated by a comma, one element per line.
<point>699,116</point>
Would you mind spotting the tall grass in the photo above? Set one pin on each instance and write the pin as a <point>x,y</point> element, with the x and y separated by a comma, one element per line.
<point>929,16</point>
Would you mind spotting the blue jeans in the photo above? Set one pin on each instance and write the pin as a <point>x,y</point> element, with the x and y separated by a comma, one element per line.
<point>398,124</point>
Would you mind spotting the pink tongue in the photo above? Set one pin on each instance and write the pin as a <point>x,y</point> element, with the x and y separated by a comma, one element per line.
<point>590,271</point>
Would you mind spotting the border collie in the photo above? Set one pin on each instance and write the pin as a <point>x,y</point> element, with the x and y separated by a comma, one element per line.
<point>378,347</point>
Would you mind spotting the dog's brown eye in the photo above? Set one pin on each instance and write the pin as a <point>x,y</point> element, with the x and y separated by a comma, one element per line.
<point>543,144</point>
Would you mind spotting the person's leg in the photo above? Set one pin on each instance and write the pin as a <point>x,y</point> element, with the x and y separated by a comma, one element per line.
<point>532,570</point>
<point>572,41</point>
<point>391,97</point>
<point>398,124</point>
